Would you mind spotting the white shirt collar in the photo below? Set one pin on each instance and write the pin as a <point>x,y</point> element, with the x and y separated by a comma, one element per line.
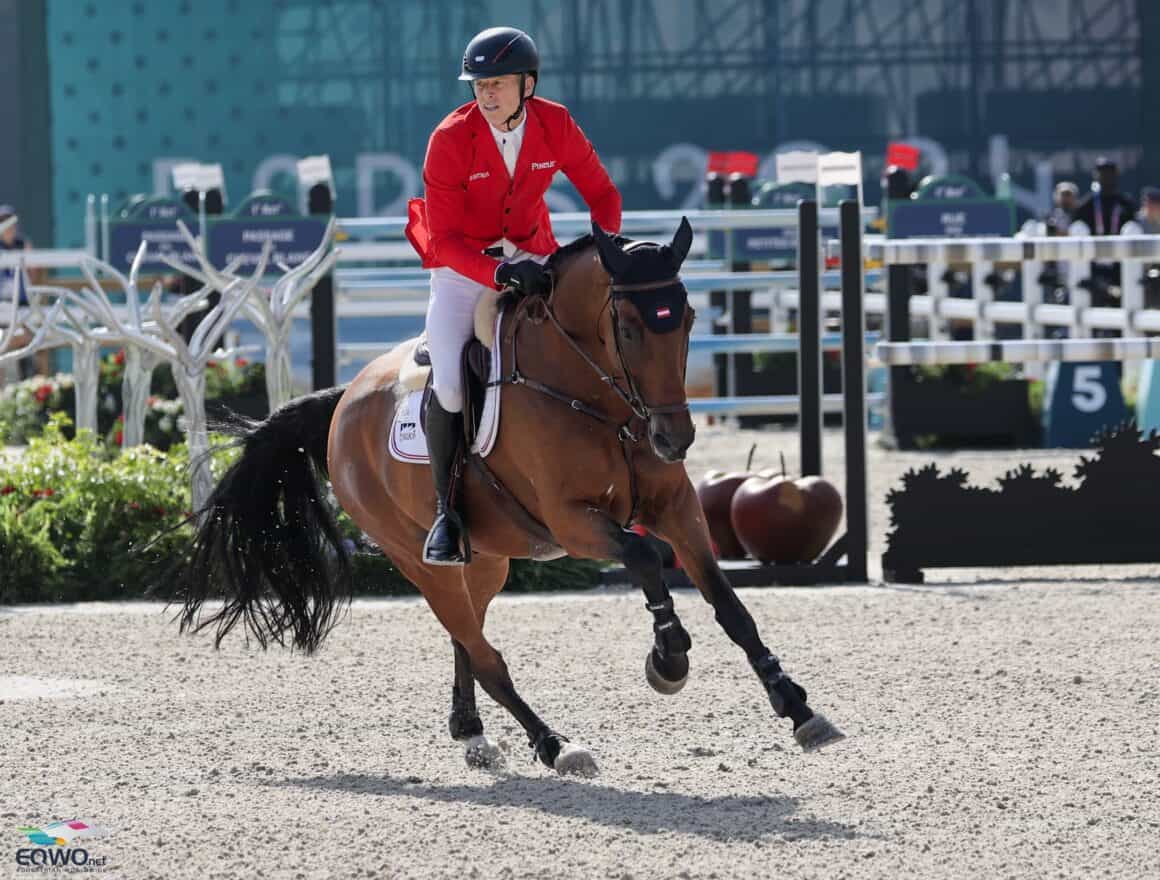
<point>513,139</point>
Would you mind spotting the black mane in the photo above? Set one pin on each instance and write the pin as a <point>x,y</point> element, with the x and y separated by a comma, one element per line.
<point>565,253</point>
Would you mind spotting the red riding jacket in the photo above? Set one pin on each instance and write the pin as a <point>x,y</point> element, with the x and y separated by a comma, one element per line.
<point>472,203</point>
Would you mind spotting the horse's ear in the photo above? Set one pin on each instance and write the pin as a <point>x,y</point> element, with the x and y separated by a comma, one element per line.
<point>614,259</point>
<point>682,241</point>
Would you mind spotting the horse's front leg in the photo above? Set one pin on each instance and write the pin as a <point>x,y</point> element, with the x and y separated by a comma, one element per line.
<point>682,524</point>
<point>586,531</point>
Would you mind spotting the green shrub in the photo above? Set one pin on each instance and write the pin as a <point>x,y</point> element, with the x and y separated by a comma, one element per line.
<point>80,521</point>
<point>76,517</point>
<point>25,406</point>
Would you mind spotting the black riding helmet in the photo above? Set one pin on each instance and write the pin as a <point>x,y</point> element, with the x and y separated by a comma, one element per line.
<point>499,51</point>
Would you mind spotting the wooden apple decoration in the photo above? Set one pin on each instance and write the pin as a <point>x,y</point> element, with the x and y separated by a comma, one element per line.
<point>778,519</point>
<point>715,492</point>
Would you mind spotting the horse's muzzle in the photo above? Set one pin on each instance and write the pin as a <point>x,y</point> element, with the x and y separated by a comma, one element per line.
<point>671,435</point>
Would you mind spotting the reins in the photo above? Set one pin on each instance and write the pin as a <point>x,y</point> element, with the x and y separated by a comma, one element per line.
<point>631,396</point>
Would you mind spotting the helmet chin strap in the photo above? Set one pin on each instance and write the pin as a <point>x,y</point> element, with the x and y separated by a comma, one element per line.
<point>520,109</point>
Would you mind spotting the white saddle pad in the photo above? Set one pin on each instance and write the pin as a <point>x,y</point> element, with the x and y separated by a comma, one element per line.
<point>409,441</point>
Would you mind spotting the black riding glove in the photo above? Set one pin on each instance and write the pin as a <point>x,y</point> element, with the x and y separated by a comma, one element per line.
<point>526,277</point>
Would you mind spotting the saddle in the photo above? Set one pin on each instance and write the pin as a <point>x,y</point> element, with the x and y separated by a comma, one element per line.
<point>475,369</point>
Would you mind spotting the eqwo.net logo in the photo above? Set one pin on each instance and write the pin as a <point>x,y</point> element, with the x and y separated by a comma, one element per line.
<point>59,834</point>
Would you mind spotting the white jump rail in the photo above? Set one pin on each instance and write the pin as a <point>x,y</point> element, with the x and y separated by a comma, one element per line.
<point>1029,256</point>
<point>901,354</point>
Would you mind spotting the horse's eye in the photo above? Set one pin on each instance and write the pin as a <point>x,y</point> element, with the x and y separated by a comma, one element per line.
<point>627,332</point>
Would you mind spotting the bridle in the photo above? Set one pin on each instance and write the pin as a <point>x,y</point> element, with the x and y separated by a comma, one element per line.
<point>537,309</point>
<point>633,397</point>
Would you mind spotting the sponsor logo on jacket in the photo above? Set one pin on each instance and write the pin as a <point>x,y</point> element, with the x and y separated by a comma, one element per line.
<point>540,166</point>
<point>479,175</point>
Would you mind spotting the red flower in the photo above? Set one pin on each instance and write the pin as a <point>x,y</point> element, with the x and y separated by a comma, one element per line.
<point>212,364</point>
<point>160,511</point>
<point>43,493</point>
<point>7,490</point>
<point>241,363</point>
<point>119,358</point>
<point>118,438</point>
<point>133,505</point>
<point>121,419</point>
<point>43,393</point>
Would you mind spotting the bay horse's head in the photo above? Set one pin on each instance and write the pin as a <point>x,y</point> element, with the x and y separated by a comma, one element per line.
<point>648,337</point>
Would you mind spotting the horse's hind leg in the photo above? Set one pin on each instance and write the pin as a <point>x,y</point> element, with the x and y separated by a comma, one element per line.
<point>447,594</point>
<point>464,722</point>
<point>485,578</point>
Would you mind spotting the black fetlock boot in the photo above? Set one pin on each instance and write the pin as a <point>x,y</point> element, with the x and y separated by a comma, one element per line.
<point>444,434</point>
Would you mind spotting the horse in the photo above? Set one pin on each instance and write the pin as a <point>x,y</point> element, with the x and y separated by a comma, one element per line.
<point>595,428</point>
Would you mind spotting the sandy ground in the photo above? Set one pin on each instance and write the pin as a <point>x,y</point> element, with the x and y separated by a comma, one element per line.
<point>1001,724</point>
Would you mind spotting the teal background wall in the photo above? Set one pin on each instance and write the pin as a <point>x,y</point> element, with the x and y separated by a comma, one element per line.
<point>133,85</point>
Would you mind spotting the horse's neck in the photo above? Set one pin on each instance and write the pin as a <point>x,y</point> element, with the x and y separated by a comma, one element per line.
<point>577,300</point>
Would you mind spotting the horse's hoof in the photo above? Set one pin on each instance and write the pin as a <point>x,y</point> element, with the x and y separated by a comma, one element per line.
<point>658,682</point>
<point>816,733</point>
<point>575,761</point>
<point>480,753</point>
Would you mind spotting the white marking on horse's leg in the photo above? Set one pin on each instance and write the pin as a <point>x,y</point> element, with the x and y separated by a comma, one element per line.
<point>575,760</point>
<point>483,754</point>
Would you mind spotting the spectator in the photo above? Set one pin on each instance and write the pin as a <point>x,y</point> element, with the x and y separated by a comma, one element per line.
<point>1147,219</point>
<point>11,240</point>
<point>1147,222</point>
<point>1064,202</point>
<point>1104,210</point>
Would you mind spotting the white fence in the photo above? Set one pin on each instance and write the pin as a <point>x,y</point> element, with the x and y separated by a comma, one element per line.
<point>1028,257</point>
<point>377,276</point>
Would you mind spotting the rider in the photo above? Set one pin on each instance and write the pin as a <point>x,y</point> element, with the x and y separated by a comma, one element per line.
<point>484,226</point>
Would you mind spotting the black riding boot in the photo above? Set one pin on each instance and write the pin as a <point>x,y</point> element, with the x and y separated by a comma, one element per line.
<point>444,434</point>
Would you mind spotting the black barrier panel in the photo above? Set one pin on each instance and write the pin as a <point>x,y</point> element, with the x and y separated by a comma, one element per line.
<point>1030,518</point>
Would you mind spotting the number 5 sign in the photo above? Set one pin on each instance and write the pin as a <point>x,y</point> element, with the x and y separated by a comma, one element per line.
<point>1080,400</point>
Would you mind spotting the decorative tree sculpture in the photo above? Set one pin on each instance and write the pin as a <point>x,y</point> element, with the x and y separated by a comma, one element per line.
<point>145,347</point>
<point>271,310</point>
<point>86,320</point>
<point>58,326</point>
<point>188,360</point>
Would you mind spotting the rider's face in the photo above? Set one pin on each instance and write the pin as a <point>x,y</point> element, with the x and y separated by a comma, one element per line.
<point>499,97</point>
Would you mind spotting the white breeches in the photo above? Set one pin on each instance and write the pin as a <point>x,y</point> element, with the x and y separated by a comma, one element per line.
<point>451,324</point>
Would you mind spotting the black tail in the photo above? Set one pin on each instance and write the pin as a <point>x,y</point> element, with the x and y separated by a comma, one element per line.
<point>266,540</point>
